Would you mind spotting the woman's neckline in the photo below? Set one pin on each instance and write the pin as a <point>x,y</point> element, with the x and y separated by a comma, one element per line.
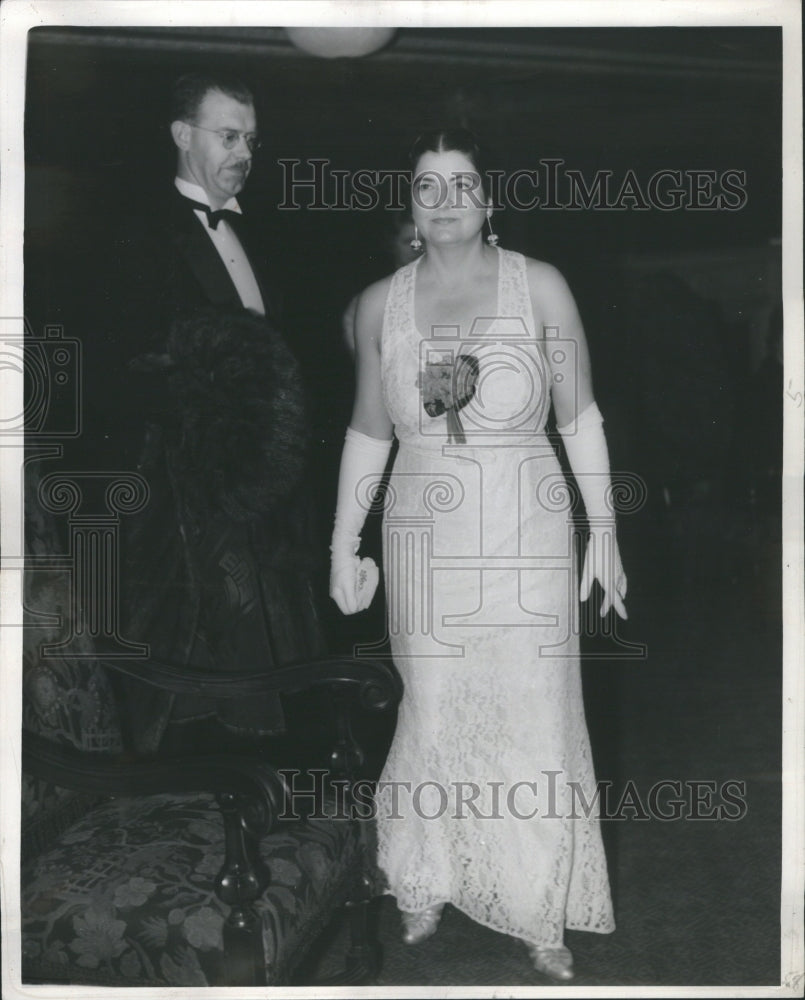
<point>412,296</point>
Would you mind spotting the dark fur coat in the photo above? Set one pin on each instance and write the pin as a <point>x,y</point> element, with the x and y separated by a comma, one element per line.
<point>218,566</point>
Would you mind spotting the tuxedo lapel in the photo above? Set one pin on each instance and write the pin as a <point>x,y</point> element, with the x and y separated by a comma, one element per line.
<point>205,264</point>
<point>200,256</point>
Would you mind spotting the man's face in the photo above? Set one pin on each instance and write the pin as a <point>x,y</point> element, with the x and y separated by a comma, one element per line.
<point>221,172</point>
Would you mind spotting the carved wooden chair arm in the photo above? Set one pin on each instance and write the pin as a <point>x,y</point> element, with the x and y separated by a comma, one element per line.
<point>122,775</point>
<point>377,684</point>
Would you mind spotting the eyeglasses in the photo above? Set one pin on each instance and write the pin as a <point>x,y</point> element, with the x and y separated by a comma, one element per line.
<point>230,137</point>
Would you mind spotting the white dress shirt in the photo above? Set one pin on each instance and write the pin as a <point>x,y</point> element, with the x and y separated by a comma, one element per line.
<point>228,246</point>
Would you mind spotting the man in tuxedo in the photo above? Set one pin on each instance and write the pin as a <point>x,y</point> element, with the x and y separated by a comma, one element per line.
<point>190,245</point>
<point>182,248</point>
<point>210,407</point>
<point>214,128</point>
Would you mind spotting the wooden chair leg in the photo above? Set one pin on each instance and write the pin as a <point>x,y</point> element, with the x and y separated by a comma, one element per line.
<point>239,883</point>
<point>243,949</point>
<point>363,956</point>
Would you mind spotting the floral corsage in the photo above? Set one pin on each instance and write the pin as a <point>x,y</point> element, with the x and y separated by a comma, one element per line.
<point>447,386</point>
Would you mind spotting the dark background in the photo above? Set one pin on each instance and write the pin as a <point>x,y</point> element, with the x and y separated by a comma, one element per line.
<point>617,99</point>
<point>613,98</point>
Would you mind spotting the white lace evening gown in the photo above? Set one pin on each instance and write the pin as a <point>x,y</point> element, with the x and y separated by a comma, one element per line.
<point>482,799</point>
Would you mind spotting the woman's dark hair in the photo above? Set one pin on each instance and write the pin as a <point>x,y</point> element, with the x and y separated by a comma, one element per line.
<point>459,140</point>
<point>191,89</point>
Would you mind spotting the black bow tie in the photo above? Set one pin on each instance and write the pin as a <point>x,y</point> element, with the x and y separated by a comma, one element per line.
<point>214,217</point>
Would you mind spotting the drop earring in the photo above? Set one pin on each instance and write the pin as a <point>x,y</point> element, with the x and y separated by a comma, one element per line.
<point>492,239</point>
<point>416,242</point>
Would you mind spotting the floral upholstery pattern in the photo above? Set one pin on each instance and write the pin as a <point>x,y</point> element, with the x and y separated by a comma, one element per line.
<point>126,897</point>
<point>70,702</point>
<point>121,891</point>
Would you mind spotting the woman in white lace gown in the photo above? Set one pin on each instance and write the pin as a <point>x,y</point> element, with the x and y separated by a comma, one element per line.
<point>486,799</point>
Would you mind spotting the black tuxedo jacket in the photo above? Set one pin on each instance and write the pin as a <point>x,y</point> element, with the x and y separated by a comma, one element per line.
<point>161,267</point>
<point>169,267</point>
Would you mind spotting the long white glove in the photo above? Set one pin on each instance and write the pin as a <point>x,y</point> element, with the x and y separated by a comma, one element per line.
<point>353,581</point>
<point>586,449</point>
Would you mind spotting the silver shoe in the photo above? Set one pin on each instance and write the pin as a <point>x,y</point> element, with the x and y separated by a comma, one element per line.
<point>555,963</point>
<point>419,926</point>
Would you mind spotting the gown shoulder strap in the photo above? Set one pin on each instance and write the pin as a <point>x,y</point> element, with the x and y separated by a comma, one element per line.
<point>398,311</point>
<point>514,294</point>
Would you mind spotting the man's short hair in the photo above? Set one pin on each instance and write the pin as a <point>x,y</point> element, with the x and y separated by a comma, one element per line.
<point>191,89</point>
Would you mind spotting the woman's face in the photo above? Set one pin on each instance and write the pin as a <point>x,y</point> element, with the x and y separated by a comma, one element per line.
<point>448,203</point>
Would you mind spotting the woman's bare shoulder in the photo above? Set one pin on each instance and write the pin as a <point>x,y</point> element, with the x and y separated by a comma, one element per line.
<point>544,277</point>
<point>372,300</point>
<point>548,289</point>
<point>369,312</point>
